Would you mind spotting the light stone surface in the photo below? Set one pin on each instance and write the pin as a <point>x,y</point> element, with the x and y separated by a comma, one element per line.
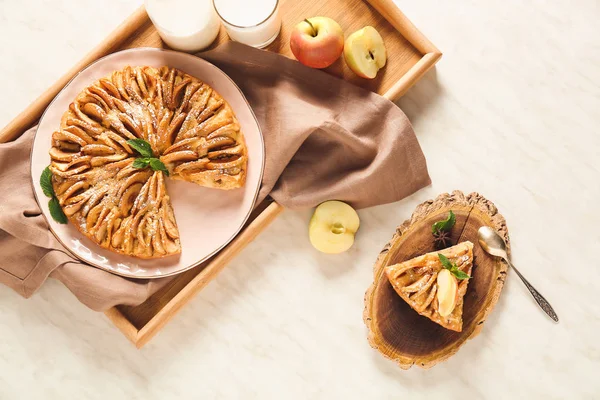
<point>512,111</point>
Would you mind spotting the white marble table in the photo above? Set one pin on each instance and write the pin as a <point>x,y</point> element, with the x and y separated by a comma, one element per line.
<point>512,111</point>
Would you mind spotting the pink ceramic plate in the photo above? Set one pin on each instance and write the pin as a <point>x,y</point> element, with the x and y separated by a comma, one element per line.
<point>208,219</point>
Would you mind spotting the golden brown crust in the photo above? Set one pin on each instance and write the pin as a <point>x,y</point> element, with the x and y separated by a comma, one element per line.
<point>415,281</point>
<point>189,127</point>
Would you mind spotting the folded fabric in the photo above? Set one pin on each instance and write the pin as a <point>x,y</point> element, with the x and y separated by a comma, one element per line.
<point>324,139</point>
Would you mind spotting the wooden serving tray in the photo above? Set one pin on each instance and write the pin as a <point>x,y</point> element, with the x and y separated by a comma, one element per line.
<point>410,56</point>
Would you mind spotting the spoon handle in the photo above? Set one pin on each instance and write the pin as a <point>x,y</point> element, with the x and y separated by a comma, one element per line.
<point>542,302</point>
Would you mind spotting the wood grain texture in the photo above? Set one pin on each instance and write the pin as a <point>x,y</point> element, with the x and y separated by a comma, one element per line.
<point>399,332</point>
<point>402,24</point>
<point>123,324</point>
<point>410,56</point>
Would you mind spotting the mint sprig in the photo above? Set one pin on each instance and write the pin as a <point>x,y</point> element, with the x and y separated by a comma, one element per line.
<point>452,268</point>
<point>444,225</point>
<point>56,211</point>
<point>141,146</point>
<point>146,158</point>
<point>141,162</point>
<point>158,165</point>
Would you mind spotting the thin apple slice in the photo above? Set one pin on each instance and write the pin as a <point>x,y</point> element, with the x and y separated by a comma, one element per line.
<point>447,292</point>
<point>332,227</point>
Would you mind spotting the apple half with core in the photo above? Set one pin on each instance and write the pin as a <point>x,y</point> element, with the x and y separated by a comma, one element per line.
<point>332,227</point>
<point>365,52</point>
<point>447,292</point>
<point>317,42</point>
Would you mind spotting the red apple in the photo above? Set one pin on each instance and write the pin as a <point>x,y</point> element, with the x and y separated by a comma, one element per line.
<point>317,42</point>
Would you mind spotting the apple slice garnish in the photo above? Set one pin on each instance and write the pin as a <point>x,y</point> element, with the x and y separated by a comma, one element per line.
<point>447,292</point>
<point>332,227</point>
<point>365,52</point>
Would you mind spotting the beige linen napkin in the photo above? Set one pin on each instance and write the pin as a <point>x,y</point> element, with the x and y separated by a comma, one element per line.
<point>325,139</point>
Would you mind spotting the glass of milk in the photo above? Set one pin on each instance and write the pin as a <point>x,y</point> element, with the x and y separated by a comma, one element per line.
<point>187,25</point>
<point>253,22</point>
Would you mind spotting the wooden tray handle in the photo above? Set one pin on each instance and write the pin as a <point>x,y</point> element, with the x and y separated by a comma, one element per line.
<point>392,13</point>
<point>32,114</point>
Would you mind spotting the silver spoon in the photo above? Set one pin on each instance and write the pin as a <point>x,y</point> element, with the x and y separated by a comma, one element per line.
<point>492,243</point>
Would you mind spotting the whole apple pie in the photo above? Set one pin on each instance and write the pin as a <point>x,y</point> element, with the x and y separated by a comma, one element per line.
<point>435,284</point>
<point>103,189</point>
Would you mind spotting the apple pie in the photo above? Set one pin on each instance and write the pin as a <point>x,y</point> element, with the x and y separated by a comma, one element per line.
<point>434,284</point>
<point>119,205</point>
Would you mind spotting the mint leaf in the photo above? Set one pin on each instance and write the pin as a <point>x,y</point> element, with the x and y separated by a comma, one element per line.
<point>459,274</point>
<point>445,262</point>
<point>147,158</point>
<point>158,165</point>
<point>452,267</point>
<point>154,163</point>
<point>444,225</point>
<point>141,146</point>
<point>46,182</point>
<point>141,162</point>
<point>56,211</point>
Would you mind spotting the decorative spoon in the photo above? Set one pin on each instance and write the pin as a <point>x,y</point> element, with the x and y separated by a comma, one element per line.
<point>492,243</point>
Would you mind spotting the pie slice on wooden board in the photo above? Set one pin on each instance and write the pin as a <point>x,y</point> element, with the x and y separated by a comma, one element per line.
<point>428,287</point>
<point>394,328</point>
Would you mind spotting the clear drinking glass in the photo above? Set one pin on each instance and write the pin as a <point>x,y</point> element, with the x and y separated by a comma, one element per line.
<point>253,22</point>
<point>187,25</point>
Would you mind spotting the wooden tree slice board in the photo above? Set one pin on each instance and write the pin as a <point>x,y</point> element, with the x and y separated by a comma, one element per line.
<point>396,330</point>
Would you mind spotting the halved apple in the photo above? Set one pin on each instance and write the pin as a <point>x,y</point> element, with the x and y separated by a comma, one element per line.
<point>365,52</point>
<point>447,292</point>
<point>332,227</point>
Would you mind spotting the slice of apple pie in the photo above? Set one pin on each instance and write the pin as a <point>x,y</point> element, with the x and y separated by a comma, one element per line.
<point>123,205</point>
<point>434,284</point>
